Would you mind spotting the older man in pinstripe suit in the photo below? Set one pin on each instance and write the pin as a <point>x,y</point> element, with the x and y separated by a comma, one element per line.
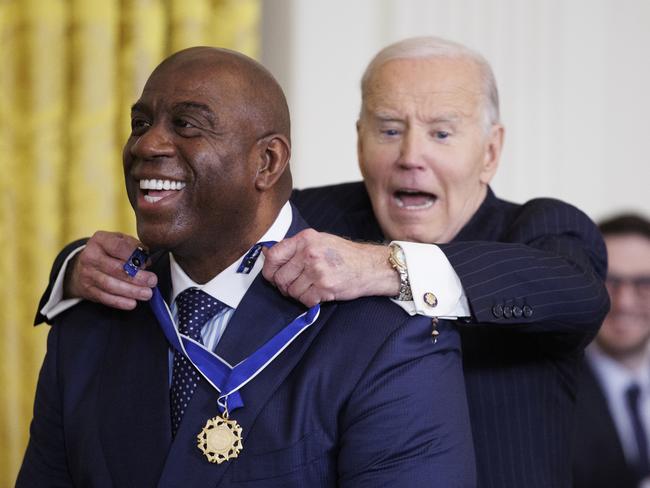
<point>524,282</point>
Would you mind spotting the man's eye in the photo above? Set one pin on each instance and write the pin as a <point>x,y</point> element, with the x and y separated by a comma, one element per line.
<point>390,132</point>
<point>139,125</point>
<point>183,123</point>
<point>441,134</point>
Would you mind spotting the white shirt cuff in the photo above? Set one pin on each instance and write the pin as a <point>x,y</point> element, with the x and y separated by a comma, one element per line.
<point>56,304</point>
<point>431,275</point>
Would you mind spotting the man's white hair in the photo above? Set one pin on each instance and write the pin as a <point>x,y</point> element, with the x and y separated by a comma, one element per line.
<point>434,47</point>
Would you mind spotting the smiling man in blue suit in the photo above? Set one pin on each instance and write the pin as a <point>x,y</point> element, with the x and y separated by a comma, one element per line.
<point>358,395</point>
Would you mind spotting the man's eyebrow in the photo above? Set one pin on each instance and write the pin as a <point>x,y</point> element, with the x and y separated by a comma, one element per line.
<point>382,116</point>
<point>205,110</point>
<point>445,118</point>
<point>138,107</point>
<point>451,118</point>
<point>187,105</point>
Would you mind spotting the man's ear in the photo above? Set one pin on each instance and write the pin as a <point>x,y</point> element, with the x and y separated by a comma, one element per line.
<point>492,155</point>
<point>274,152</point>
<point>359,143</point>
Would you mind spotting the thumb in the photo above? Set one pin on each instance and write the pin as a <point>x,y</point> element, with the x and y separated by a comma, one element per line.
<point>277,256</point>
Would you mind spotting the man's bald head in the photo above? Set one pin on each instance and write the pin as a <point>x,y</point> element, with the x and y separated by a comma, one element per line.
<point>266,103</point>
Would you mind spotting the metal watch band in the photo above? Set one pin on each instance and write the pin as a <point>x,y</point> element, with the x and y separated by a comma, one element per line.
<point>398,262</point>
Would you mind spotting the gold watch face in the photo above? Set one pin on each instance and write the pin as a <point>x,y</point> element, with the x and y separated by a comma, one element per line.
<point>397,257</point>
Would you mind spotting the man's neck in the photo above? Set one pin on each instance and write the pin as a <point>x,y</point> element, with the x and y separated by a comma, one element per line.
<point>201,267</point>
<point>633,360</point>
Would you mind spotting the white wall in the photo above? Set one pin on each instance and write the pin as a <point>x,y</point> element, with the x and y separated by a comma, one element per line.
<point>574,79</point>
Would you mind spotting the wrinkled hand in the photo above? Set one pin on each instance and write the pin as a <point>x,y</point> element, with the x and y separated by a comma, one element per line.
<point>315,267</point>
<point>96,273</point>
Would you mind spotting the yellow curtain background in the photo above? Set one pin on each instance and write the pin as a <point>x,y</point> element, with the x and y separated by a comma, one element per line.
<point>69,72</point>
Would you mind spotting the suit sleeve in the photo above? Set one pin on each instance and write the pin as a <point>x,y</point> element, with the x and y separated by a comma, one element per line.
<point>45,459</point>
<point>406,423</point>
<point>56,268</point>
<point>544,275</point>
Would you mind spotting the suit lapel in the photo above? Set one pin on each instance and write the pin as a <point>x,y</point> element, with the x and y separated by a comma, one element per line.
<point>261,314</point>
<point>133,399</point>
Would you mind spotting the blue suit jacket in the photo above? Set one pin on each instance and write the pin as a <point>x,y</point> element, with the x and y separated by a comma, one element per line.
<point>362,398</point>
<point>533,275</point>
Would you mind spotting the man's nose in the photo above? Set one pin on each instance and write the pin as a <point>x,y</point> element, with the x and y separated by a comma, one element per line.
<point>624,296</point>
<point>155,142</point>
<point>413,150</point>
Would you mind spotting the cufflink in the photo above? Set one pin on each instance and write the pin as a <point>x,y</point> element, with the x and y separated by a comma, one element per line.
<point>430,299</point>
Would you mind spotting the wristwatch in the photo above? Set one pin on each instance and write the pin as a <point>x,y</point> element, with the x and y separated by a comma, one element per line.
<point>398,261</point>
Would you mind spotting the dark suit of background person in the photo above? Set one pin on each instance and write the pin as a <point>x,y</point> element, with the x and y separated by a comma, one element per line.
<point>619,356</point>
<point>526,281</point>
<point>362,398</point>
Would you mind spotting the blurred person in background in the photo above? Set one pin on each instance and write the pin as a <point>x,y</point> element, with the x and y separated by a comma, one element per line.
<point>612,432</point>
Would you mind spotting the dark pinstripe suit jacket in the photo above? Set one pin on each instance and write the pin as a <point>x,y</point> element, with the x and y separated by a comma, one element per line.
<point>533,277</point>
<point>598,459</point>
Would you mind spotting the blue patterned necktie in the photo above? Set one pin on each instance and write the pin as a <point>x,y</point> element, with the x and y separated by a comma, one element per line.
<point>194,308</point>
<point>640,435</point>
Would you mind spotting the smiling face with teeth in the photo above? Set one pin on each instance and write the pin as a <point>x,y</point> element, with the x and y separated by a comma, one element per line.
<point>423,148</point>
<point>199,163</point>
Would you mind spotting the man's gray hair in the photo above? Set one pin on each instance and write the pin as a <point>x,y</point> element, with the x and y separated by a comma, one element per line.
<point>434,47</point>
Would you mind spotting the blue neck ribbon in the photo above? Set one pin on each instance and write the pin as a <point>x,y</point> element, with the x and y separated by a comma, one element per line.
<point>225,378</point>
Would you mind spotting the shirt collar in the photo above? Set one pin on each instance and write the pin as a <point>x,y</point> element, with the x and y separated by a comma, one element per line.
<point>229,286</point>
<point>615,377</point>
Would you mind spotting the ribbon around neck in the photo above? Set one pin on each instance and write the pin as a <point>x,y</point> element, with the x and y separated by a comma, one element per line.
<point>221,375</point>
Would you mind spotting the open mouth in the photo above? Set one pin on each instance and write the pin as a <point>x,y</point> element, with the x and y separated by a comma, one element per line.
<point>414,199</point>
<point>155,190</point>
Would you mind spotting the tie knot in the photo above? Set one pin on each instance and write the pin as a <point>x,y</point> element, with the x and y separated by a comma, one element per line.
<point>195,308</point>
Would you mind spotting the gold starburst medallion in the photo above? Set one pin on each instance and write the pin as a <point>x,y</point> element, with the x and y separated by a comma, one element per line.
<point>220,439</point>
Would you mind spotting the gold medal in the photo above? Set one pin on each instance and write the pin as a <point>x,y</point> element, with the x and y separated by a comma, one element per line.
<point>220,439</point>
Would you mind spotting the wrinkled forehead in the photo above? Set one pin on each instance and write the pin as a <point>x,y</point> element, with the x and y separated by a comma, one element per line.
<point>423,82</point>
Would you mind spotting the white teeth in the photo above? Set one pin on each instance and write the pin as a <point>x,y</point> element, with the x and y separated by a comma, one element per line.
<point>151,199</point>
<point>423,206</point>
<point>414,207</point>
<point>161,185</point>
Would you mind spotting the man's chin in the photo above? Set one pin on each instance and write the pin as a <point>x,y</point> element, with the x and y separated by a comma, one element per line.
<point>623,347</point>
<point>415,232</point>
<point>158,238</point>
